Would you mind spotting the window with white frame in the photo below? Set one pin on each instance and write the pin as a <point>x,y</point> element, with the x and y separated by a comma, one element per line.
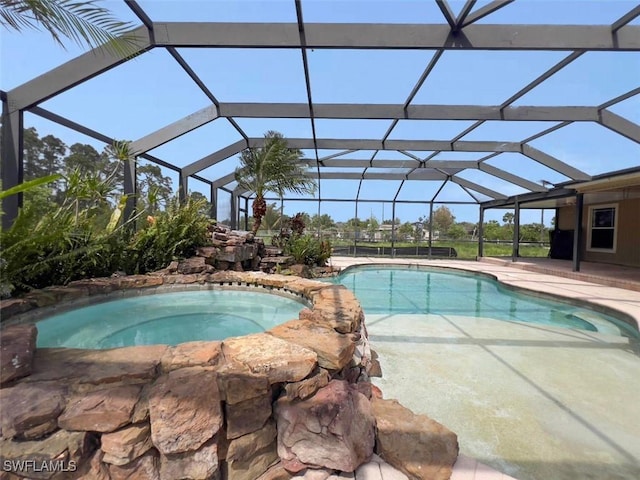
<point>603,224</point>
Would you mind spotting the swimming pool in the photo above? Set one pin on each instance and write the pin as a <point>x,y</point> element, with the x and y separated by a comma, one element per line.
<point>167,318</point>
<point>402,290</point>
<point>535,401</point>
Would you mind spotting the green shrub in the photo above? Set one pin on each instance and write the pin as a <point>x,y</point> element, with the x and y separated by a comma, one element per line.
<point>174,233</point>
<point>309,250</point>
<point>66,244</point>
<point>54,249</point>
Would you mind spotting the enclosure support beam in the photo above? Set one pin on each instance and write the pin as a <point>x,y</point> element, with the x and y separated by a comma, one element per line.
<point>213,213</point>
<point>246,213</point>
<point>516,232</point>
<point>356,229</point>
<point>60,120</point>
<point>476,188</point>
<point>183,188</point>
<point>430,226</point>
<point>577,232</point>
<point>625,19</point>
<point>393,228</point>
<point>224,180</point>
<point>233,214</point>
<point>393,219</point>
<point>175,129</point>
<point>406,111</point>
<point>395,36</point>
<point>12,161</point>
<point>74,72</point>
<point>620,125</point>
<point>511,178</point>
<point>554,164</point>
<point>130,188</point>
<point>481,233</point>
<point>484,11</point>
<point>215,157</point>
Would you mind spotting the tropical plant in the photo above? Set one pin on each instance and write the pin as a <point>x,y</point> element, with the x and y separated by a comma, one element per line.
<point>56,247</point>
<point>274,167</point>
<point>83,22</point>
<point>23,187</point>
<point>53,243</point>
<point>306,249</point>
<point>174,233</point>
<point>309,250</point>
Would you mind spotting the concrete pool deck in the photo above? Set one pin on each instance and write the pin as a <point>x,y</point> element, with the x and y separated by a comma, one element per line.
<point>532,401</point>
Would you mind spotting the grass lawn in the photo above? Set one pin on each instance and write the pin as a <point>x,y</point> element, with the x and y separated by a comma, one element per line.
<point>466,250</point>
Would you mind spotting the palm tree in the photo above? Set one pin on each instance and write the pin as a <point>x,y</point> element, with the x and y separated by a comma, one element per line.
<point>508,218</point>
<point>83,22</point>
<point>274,167</point>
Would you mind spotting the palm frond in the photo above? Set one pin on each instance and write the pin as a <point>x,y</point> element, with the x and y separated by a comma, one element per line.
<point>83,22</point>
<point>13,15</point>
<point>29,185</point>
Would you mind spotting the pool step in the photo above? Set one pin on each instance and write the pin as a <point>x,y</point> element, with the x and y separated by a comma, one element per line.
<point>602,324</point>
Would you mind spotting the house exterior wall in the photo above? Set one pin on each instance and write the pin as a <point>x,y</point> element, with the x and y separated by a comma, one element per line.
<point>628,232</point>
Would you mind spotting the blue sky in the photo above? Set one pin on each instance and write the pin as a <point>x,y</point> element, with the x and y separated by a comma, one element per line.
<point>151,91</point>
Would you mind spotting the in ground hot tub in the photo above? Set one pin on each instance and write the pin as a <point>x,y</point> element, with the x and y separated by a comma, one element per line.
<point>167,318</point>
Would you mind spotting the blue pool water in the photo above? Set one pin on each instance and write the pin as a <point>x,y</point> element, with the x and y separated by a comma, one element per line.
<point>168,318</point>
<point>391,290</point>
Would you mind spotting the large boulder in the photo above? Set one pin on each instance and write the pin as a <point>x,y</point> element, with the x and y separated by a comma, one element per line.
<point>14,306</point>
<point>336,307</point>
<point>192,354</point>
<point>127,444</point>
<point>249,456</point>
<point>246,446</point>
<point>237,383</point>
<point>279,360</point>
<point>103,410</point>
<point>193,265</point>
<point>254,466</point>
<point>97,367</point>
<point>415,444</point>
<point>185,409</point>
<point>334,349</point>
<point>67,448</point>
<point>199,465</point>
<point>309,386</point>
<point>276,472</point>
<point>247,416</point>
<point>94,469</point>
<point>334,429</point>
<point>146,467</point>
<point>30,411</point>
<point>17,346</point>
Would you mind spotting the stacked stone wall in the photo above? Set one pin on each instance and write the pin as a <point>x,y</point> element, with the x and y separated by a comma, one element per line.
<point>293,402</point>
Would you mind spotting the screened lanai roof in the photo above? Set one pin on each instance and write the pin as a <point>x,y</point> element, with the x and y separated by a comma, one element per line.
<point>412,101</point>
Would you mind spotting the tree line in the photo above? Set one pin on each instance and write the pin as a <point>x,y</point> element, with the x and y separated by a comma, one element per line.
<point>444,227</point>
<point>83,164</point>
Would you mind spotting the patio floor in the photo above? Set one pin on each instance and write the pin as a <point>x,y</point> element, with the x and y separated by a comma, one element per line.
<point>611,275</point>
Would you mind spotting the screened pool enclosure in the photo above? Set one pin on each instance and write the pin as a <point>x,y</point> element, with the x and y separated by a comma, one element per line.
<point>399,107</point>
